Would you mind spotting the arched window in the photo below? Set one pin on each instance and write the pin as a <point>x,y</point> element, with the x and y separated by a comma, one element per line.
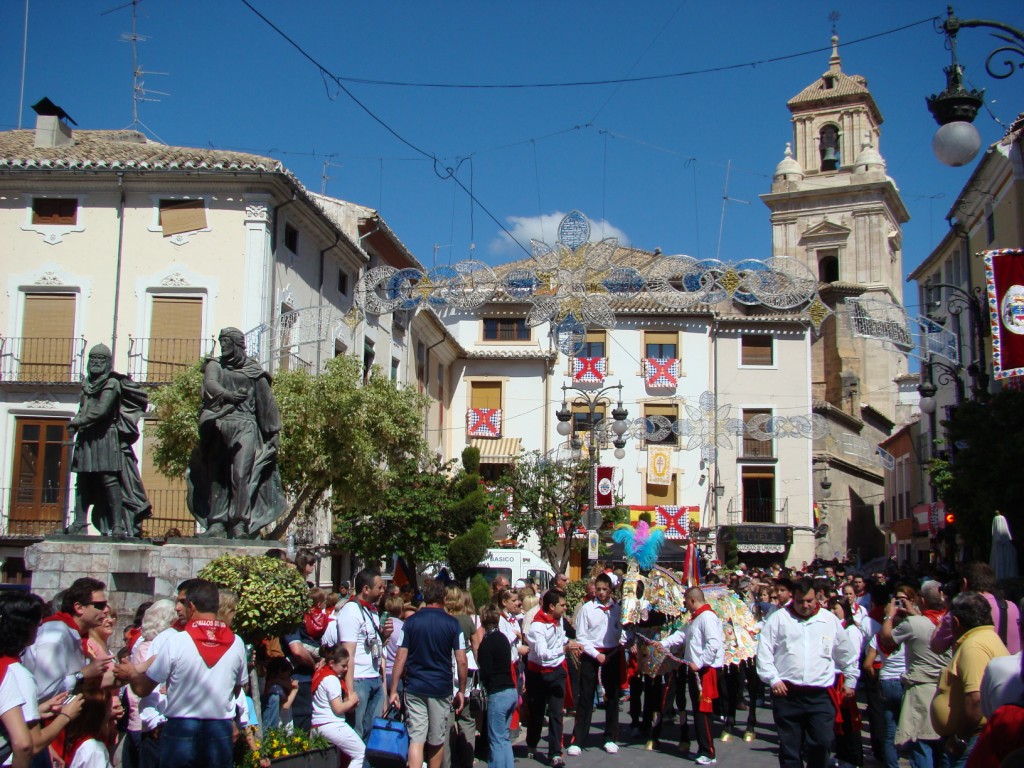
<point>828,146</point>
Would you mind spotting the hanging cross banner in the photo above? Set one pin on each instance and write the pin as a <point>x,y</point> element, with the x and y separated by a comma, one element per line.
<point>661,372</point>
<point>483,422</point>
<point>589,370</point>
<point>1004,283</point>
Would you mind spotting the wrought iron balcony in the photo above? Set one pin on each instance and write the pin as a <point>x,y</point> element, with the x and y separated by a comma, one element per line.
<point>158,361</point>
<point>754,510</point>
<point>41,361</point>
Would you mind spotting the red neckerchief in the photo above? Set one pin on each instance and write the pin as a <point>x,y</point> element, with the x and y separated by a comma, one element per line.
<point>68,749</point>
<point>179,625</point>
<point>703,609</point>
<point>888,647</point>
<point>934,616</point>
<point>797,616</point>
<point>322,674</point>
<point>134,633</point>
<point>368,606</point>
<point>606,608</point>
<point>316,623</point>
<point>212,639</point>
<point>5,662</point>
<point>68,619</point>
<point>877,613</point>
<point>545,618</point>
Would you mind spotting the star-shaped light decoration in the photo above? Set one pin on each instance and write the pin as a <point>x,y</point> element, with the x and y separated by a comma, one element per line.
<point>708,426</point>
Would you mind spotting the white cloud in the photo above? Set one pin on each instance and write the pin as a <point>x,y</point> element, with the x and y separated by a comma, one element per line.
<point>545,229</point>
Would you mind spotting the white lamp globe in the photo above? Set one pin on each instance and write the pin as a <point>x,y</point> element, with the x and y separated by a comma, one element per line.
<point>956,143</point>
<point>619,427</point>
<point>619,453</point>
<point>563,428</point>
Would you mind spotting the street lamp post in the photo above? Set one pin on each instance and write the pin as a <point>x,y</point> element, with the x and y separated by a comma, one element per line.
<point>978,330</point>
<point>957,141</point>
<point>592,400</point>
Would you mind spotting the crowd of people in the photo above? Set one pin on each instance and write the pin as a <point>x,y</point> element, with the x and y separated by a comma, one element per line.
<point>927,670</point>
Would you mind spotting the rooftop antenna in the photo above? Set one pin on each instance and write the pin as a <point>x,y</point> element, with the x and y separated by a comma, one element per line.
<point>324,177</point>
<point>24,58</point>
<point>726,199</point>
<point>139,91</point>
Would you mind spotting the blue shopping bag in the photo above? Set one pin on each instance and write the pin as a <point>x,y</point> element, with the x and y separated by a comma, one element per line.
<point>388,745</point>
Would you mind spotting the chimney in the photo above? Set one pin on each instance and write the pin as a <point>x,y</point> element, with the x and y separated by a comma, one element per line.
<point>52,129</point>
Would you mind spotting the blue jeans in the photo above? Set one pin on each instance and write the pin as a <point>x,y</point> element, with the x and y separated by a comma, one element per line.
<point>961,761</point>
<point>927,754</point>
<point>187,742</point>
<point>892,699</point>
<point>370,691</point>
<point>500,706</point>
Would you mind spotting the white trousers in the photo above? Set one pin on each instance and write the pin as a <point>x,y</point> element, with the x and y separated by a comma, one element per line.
<point>341,735</point>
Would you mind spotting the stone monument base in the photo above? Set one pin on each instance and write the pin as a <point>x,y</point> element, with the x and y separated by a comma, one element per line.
<point>135,571</point>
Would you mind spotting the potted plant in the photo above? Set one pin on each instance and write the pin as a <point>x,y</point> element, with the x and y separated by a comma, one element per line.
<point>291,750</point>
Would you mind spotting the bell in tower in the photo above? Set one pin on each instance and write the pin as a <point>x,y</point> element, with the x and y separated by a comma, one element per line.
<point>828,146</point>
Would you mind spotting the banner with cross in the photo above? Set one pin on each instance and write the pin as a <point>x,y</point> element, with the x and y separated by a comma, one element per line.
<point>589,370</point>
<point>661,372</point>
<point>483,422</point>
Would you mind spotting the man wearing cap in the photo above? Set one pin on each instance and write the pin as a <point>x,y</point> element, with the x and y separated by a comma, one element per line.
<point>105,428</point>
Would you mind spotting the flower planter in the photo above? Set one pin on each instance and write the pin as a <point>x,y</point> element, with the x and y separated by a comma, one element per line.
<point>319,758</point>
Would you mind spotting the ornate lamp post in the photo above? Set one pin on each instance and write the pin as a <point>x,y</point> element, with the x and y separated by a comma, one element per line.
<point>957,141</point>
<point>620,423</point>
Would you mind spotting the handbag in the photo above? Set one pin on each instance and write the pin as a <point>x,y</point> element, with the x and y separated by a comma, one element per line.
<point>388,745</point>
<point>477,696</point>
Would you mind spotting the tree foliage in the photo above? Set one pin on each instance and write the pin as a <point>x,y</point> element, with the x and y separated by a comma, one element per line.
<point>467,550</point>
<point>548,498</point>
<point>339,437</point>
<point>982,472</point>
<point>272,595</point>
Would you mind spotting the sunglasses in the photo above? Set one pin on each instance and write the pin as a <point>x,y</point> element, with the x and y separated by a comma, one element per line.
<point>99,605</point>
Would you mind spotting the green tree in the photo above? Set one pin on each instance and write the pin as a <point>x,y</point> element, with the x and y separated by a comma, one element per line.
<point>545,498</point>
<point>980,472</point>
<point>340,437</point>
<point>467,550</point>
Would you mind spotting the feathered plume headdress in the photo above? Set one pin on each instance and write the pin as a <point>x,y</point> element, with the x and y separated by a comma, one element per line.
<point>641,543</point>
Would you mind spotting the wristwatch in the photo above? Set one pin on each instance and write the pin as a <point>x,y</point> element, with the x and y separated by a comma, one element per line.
<point>79,677</point>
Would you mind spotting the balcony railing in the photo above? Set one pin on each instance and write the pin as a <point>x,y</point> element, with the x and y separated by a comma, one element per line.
<point>758,510</point>
<point>158,361</point>
<point>37,512</point>
<point>41,361</point>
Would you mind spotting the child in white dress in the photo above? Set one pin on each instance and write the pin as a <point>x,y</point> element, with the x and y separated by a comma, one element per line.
<point>331,702</point>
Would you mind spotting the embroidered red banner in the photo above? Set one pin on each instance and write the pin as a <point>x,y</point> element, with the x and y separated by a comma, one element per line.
<point>1004,280</point>
<point>604,488</point>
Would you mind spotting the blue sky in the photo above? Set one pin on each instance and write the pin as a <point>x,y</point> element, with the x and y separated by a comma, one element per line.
<point>646,161</point>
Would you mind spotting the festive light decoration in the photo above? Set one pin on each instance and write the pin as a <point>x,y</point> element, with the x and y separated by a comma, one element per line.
<point>573,283</point>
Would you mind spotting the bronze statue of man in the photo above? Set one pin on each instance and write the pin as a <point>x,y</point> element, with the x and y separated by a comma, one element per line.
<point>234,485</point>
<point>106,427</point>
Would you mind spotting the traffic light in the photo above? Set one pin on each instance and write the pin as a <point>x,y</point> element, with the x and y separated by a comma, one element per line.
<point>950,518</point>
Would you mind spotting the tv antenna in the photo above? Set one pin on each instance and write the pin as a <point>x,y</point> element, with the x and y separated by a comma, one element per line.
<point>139,91</point>
<point>726,200</point>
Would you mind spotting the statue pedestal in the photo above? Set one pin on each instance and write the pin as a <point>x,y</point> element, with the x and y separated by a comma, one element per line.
<point>134,571</point>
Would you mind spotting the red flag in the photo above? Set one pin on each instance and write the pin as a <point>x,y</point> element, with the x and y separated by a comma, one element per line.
<point>604,488</point>
<point>1004,280</point>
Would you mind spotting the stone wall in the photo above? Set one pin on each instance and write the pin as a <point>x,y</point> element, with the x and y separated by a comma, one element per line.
<point>134,572</point>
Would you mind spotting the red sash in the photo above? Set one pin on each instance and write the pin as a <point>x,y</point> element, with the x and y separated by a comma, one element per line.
<point>316,623</point>
<point>708,687</point>
<point>847,714</point>
<point>5,662</point>
<point>212,639</point>
<point>68,619</point>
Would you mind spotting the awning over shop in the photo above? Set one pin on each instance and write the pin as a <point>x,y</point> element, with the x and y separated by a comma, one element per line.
<point>502,450</point>
<point>763,538</point>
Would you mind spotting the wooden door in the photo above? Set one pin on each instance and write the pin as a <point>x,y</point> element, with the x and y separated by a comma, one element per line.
<point>39,494</point>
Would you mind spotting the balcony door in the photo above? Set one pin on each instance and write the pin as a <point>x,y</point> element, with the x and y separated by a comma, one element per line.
<point>174,336</point>
<point>48,328</point>
<point>41,476</point>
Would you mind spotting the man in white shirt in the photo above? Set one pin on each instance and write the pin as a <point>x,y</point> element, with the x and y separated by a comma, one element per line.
<point>798,652</point>
<point>204,669</point>
<point>704,654</point>
<point>547,675</point>
<point>56,659</point>
<point>599,634</point>
<point>360,630</point>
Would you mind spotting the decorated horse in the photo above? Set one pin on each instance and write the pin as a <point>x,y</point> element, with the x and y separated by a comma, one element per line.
<point>660,593</point>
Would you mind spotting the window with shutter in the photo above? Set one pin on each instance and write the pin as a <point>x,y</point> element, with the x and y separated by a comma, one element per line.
<point>176,326</point>
<point>177,216</point>
<point>757,349</point>
<point>485,394</point>
<point>48,330</point>
<point>661,344</point>
<point>661,495</point>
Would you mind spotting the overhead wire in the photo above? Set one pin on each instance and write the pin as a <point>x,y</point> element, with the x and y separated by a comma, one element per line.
<point>449,173</point>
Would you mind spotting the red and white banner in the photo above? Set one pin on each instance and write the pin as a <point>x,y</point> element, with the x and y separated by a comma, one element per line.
<point>604,488</point>
<point>483,422</point>
<point>661,372</point>
<point>678,521</point>
<point>1004,280</point>
<point>589,370</point>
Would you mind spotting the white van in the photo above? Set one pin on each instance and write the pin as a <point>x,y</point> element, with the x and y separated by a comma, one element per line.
<point>515,564</point>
